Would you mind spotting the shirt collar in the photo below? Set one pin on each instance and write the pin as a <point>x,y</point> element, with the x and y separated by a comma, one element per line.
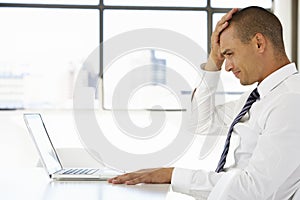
<point>274,79</point>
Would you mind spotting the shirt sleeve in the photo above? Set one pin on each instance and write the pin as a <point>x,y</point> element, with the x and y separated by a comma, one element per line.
<point>197,183</point>
<point>210,113</point>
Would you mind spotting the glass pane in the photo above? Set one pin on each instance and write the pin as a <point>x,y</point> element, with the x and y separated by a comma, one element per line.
<point>41,52</point>
<point>192,24</point>
<point>231,85</point>
<point>240,3</point>
<point>175,3</point>
<point>69,2</point>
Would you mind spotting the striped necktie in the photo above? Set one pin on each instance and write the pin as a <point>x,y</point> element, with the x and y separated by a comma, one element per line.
<point>251,99</point>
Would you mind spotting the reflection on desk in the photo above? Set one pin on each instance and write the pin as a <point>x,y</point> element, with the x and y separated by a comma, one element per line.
<point>34,184</point>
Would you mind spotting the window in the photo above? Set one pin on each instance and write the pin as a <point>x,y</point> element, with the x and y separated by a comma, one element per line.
<point>62,2</point>
<point>41,52</point>
<point>44,44</point>
<point>153,91</point>
<point>158,3</point>
<point>240,3</point>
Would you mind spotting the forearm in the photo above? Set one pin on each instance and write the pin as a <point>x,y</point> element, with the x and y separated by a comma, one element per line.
<point>209,118</point>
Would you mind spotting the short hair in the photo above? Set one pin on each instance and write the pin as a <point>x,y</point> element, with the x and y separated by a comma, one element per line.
<point>251,20</point>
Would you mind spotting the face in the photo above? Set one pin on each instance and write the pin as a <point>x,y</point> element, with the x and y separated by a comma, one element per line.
<point>241,59</point>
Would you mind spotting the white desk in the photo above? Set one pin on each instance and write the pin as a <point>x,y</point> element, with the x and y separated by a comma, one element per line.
<point>18,150</point>
<point>34,184</point>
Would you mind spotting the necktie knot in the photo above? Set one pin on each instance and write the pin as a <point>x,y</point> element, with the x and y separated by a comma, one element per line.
<point>254,94</point>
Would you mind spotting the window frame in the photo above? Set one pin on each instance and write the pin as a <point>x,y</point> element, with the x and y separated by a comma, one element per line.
<point>101,7</point>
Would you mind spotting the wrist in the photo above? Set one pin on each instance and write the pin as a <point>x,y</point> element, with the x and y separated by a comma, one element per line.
<point>213,64</point>
<point>168,173</point>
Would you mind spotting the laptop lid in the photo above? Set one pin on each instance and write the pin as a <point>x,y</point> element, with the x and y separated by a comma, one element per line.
<point>40,136</point>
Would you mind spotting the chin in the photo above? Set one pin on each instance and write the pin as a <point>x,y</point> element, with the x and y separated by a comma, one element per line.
<point>245,83</point>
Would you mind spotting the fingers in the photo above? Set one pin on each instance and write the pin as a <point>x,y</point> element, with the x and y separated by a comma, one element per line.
<point>219,28</point>
<point>122,178</point>
<point>158,175</point>
<point>215,55</point>
<point>228,15</point>
<point>141,179</point>
<point>223,23</point>
<point>131,180</point>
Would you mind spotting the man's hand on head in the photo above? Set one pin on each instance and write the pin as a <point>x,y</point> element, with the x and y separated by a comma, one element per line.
<point>157,175</point>
<point>216,58</point>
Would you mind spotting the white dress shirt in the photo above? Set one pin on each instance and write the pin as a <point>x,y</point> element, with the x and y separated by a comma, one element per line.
<point>267,159</point>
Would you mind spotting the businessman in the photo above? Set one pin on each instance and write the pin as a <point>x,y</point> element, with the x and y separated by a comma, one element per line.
<point>266,120</point>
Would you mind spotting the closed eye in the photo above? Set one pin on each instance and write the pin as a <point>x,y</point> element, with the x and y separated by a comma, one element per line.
<point>227,52</point>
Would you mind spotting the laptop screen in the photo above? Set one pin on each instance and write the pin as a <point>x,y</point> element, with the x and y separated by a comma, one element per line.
<point>42,141</point>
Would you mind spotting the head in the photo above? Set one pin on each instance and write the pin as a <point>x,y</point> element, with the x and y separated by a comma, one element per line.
<point>253,44</point>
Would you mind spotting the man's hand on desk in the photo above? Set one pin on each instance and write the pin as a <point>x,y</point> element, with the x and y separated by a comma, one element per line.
<point>157,175</point>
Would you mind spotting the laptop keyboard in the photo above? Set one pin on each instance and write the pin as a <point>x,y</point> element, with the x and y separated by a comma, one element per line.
<point>80,171</point>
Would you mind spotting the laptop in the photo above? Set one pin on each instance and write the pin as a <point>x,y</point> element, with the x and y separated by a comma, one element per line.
<point>50,159</point>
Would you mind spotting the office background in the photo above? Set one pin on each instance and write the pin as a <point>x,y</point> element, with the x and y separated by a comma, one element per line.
<point>44,44</point>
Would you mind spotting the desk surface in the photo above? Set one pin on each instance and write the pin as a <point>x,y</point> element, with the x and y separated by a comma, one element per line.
<point>34,184</point>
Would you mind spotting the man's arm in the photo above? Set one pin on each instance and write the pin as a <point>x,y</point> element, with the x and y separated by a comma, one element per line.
<point>164,175</point>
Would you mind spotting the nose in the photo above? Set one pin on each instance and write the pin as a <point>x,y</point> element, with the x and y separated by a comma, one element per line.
<point>228,65</point>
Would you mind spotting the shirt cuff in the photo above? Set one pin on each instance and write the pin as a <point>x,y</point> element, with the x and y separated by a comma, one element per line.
<point>209,78</point>
<point>181,180</point>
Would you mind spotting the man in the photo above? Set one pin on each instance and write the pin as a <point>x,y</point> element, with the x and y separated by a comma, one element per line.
<point>267,161</point>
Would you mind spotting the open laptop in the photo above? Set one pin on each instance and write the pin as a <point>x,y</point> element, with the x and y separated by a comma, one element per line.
<point>50,159</point>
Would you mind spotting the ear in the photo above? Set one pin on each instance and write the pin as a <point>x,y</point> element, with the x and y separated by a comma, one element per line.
<point>259,41</point>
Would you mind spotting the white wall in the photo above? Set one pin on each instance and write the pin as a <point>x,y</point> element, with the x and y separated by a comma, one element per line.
<point>298,45</point>
<point>283,10</point>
